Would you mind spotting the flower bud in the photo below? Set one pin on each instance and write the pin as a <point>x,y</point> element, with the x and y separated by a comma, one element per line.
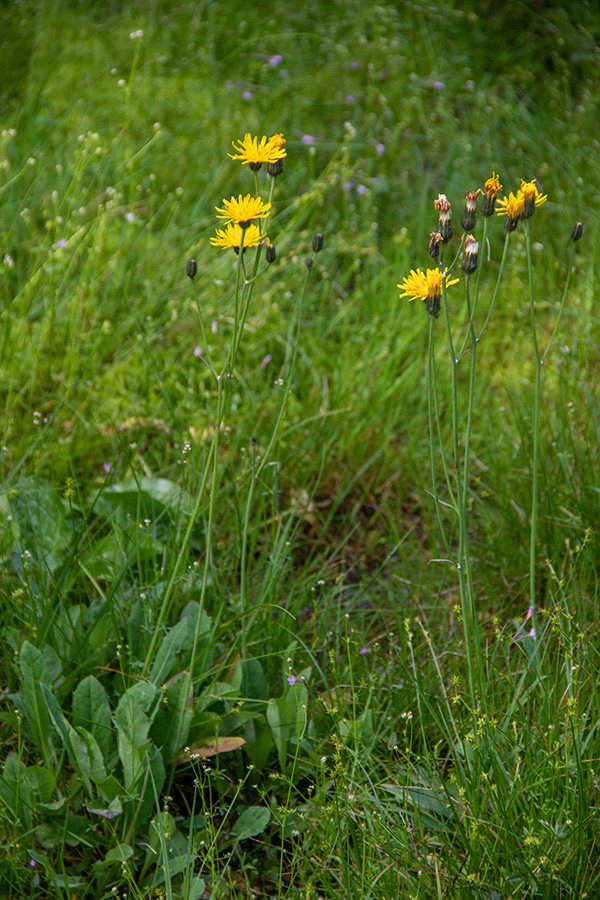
<point>275,168</point>
<point>470,257</point>
<point>467,223</point>
<point>309,262</point>
<point>577,231</point>
<point>435,239</point>
<point>445,210</point>
<point>191,268</point>
<point>317,243</point>
<point>270,253</point>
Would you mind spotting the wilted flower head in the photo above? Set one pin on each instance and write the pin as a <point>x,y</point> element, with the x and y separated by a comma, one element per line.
<point>426,286</point>
<point>467,223</point>
<point>435,239</point>
<point>470,256</point>
<point>442,205</point>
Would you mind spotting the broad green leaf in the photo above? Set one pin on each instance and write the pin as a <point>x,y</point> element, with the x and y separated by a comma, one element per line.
<point>113,809</point>
<point>254,684</point>
<point>15,792</point>
<point>281,719</point>
<point>148,495</point>
<point>88,755</point>
<point>252,822</point>
<point>41,516</point>
<point>41,782</point>
<point>133,743</point>
<point>259,743</point>
<point>33,671</point>
<point>171,726</point>
<point>92,712</point>
<point>120,853</point>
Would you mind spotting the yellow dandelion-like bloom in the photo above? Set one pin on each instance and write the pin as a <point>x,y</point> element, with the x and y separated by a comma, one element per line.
<point>243,210</point>
<point>531,197</point>
<point>255,153</point>
<point>512,207</point>
<point>492,186</point>
<point>231,237</point>
<point>426,286</point>
<point>278,140</point>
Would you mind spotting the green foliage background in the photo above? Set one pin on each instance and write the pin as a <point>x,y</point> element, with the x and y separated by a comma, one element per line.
<point>113,155</point>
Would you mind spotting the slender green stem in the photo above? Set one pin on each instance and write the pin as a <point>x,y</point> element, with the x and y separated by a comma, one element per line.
<point>433,415</point>
<point>534,425</point>
<point>498,280</point>
<point>463,548</point>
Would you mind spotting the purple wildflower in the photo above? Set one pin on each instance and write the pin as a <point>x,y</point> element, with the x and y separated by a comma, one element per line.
<point>349,99</point>
<point>361,189</point>
<point>197,351</point>
<point>247,95</point>
<point>107,466</point>
<point>266,361</point>
<point>438,85</point>
<point>291,679</point>
<point>308,139</point>
<point>380,148</point>
<point>275,59</point>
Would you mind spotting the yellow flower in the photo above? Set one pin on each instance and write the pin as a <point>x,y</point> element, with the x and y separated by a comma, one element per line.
<point>427,287</point>
<point>253,153</point>
<point>492,186</point>
<point>232,237</point>
<point>278,140</point>
<point>532,197</point>
<point>512,207</point>
<point>243,210</point>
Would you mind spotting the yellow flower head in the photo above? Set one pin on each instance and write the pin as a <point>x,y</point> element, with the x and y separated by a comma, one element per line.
<point>512,207</point>
<point>532,197</point>
<point>492,186</point>
<point>231,237</point>
<point>278,140</point>
<point>427,287</point>
<point>253,153</point>
<point>243,210</point>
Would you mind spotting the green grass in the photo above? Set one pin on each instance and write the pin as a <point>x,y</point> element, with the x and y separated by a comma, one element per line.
<point>170,589</point>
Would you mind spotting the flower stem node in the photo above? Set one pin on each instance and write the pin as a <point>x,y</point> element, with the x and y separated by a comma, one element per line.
<point>442,205</point>
<point>317,243</point>
<point>577,231</point>
<point>467,223</point>
<point>492,188</point>
<point>191,268</point>
<point>435,239</point>
<point>470,256</point>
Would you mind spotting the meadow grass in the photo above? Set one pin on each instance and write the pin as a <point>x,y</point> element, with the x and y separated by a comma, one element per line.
<point>324,625</point>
